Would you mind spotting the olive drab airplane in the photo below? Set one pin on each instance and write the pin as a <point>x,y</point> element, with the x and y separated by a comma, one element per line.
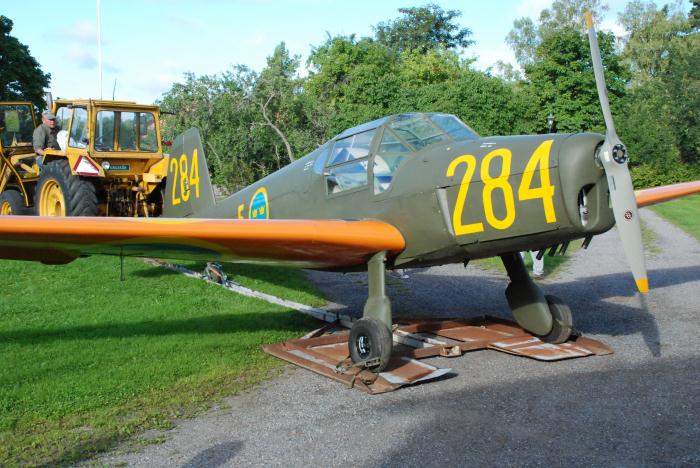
<point>407,190</point>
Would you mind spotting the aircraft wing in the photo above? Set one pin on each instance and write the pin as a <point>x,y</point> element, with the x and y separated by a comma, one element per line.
<point>664,193</point>
<point>307,243</point>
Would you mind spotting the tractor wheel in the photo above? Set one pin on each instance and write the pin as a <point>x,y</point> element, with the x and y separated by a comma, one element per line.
<point>60,193</point>
<point>562,321</point>
<point>12,203</point>
<point>370,340</point>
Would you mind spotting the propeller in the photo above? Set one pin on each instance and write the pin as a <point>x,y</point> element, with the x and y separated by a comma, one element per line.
<point>613,157</point>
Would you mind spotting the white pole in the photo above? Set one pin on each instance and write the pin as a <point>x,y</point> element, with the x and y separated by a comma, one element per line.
<point>99,47</point>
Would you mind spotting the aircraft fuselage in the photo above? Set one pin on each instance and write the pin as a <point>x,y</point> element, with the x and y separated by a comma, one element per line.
<point>452,201</point>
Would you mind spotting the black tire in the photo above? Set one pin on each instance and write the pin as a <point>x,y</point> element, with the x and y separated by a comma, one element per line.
<point>12,202</point>
<point>562,321</point>
<point>79,194</point>
<point>370,339</point>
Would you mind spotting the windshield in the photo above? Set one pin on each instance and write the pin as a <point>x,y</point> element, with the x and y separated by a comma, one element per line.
<point>16,124</point>
<point>136,131</point>
<point>454,127</point>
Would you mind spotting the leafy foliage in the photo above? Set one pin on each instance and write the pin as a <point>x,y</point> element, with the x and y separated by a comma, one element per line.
<point>423,28</point>
<point>662,124</point>
<point>561,81</point>
<point>526,37</point>
<point>21,78</point>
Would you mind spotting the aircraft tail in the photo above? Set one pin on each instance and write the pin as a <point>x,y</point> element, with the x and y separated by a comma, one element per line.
<point>188,188</point>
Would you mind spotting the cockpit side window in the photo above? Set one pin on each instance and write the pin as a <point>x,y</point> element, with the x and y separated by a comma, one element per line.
<point>391,152</point>
<point>347,166</point>
<point>352,147</point>
<point>418,131</point>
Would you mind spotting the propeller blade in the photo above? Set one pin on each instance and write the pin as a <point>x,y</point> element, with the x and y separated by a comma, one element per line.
<point>613,157</point>
<point>599,76</point>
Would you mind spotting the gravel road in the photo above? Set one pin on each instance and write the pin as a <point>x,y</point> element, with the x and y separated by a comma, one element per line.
<point>639,406</point>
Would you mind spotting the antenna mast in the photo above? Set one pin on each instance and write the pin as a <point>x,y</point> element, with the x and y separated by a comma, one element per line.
<point>99,47</point>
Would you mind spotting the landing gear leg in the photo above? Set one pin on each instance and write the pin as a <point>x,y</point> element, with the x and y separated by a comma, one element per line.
<point>547,317</point>
<point>370,339</point>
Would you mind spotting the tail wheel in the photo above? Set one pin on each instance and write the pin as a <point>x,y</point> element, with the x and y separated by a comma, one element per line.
<point>562,321</point>
<point>12,203</point>
<point>60,193</point>
<point>370,343</point>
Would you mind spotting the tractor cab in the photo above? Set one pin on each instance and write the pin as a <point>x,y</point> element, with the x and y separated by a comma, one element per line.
<point>17,123</point>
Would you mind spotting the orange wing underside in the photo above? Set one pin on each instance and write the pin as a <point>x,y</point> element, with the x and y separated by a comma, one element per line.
<point>655,195</point>
<point>307,243</point>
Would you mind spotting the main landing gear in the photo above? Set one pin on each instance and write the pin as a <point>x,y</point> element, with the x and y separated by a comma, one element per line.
<point>547,317</point>
<point>370,341</point>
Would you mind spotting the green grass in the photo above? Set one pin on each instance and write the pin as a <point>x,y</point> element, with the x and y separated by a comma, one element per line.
<point>551,264</point>
<point>87,360</point>
<point>684,213</point>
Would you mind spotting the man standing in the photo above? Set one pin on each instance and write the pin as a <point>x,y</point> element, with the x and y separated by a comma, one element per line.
<point>537,264</point>
<point>45,135</point>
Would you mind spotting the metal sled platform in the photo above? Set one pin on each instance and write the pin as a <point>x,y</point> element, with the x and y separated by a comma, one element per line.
<point>325,351</point>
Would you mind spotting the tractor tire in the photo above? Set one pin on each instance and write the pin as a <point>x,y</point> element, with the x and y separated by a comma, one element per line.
<point>12,203</point>
<point>60,193</point>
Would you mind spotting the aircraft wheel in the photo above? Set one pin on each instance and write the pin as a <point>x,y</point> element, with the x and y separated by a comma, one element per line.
<point>370,339</point>
<point>12,203</point>
<point>562,321</point>
<point>60,193</point>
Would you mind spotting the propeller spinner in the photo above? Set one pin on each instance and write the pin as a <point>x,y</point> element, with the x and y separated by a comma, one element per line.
<point>613,157</point>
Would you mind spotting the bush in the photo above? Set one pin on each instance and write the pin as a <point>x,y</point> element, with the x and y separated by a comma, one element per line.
<point>649,175</point>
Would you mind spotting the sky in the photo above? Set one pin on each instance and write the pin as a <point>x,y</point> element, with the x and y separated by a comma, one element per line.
<point>147,45</point>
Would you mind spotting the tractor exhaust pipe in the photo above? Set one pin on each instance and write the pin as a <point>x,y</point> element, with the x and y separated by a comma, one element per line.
<point>49,101</point>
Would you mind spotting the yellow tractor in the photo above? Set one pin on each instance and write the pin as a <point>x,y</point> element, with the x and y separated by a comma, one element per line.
<point>111,161</point>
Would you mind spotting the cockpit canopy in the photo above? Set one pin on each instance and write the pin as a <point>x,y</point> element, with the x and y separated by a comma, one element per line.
<point>383,145</point>
<point>419,129</point>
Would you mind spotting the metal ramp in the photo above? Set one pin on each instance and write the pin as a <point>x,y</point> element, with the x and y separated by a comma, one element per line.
<point>325,351</point>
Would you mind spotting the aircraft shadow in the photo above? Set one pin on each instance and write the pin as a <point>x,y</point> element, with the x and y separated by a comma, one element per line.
<point>154,272</point>
<point>211,324</point>
<point>429,295</point>
<point>216,455</point>
<point>638,416</point>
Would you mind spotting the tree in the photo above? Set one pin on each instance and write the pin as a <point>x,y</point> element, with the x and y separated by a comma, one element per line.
<point>525,36</point>
<point>21,78</point>
<point>694,15</point>
<point>663,53</point>
<point>561,80</point>
<point>651,34</point>
<point>356,80</point>
<point>682,81</point>
<point>422,29</point>
<point>217,107</point>
<point>275,94</point>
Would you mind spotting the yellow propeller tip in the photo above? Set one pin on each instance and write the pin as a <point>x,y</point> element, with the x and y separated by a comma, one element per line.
<point>589,20</point>
<point>643,285</point>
